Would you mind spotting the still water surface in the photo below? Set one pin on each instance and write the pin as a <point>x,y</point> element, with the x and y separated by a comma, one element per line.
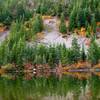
<point>70,86</point>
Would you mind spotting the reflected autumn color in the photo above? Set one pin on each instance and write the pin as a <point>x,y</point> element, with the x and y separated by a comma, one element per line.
<point>80,70</point>
<point>73,80</point>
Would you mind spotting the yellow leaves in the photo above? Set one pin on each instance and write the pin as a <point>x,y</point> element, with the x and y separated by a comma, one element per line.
<point>73,69</point>
<point>97,66</point>
<point>8,66</point>
<point>27,25</point>
<point>46,17</point>
<point>98,23</point>
<point>2,28</point>
<point>40,35</point>
<point>83,29</point>
<point>97,73</point>
<point>66,68</point>
<point>77,65</point>
<point>83,65</point>
<point>82,76</point>
<point>78,75</point>
<point>81,32</point>
<point>2,71</point>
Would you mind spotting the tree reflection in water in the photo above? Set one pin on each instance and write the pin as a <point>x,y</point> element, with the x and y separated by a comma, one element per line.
<point>43,83</point>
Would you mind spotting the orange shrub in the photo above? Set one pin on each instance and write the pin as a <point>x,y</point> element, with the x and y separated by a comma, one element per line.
<point>2,29</point>
<point>40,35</point>
<point>98,23</point>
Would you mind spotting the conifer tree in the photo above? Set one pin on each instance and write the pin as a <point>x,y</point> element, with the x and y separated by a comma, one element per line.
<point>94,53</point>
<point>93,23</point>
<point>75,50</point>
<point>72,20</point>
<point>37,24</point>
<point>62,27</point>
<point>83,55</point>
<point>59,9</point>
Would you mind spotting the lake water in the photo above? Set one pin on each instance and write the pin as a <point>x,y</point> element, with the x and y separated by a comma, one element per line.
<point>70,86</point>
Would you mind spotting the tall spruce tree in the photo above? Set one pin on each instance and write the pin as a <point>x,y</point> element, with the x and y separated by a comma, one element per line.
<point>37,24</point>
<point>94,53</point>
<point>72,20</point>
<point>62,27</point>
<point>75,50</point>
<point>93,23</point>
<point>83,54</point>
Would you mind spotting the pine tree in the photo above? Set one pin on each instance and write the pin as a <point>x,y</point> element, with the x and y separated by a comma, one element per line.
<point>43,59</point>
<point>37,24</point>
<point>93,23</point>
<point>75,50</point>
<point>69,56</point>
<point>88,32</point>
<point>43,9</point>
<point>94,53</point>
<point>62,27</point>
<point>59,9</point>
<point>72,20</point>
<point>82,17</point>
<point>38,10</point>
<point>83,55</point>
